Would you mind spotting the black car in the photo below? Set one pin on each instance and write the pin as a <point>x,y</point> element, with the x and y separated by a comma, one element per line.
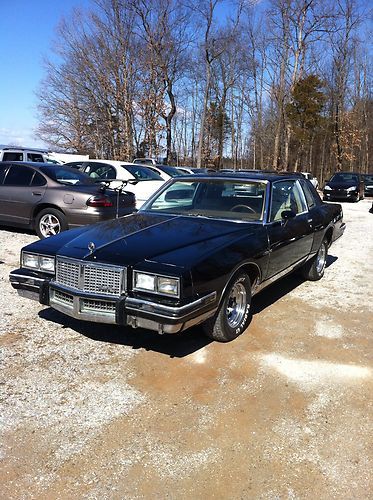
<point>196,253</point>
<point>344,186</point>
<point>368,184</point>
<point>52,198</point>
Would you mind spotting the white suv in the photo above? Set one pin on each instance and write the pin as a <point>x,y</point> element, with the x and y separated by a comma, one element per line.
<point>14,153</point>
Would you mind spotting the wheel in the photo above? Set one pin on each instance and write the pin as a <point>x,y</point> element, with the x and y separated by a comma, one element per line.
<point>49,222</point>
<point>313,270</point>
<point>238,208</point>
<point>233,315</point>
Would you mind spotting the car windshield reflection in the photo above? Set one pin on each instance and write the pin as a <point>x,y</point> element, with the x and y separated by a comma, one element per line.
<point>216,198</point>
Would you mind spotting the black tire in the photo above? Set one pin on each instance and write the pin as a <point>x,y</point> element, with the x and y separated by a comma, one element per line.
<point>49,222</point>
<point>233,315</point>
<point>314,269</point>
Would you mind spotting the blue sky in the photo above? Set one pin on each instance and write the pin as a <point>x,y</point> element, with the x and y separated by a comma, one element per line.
<point>27,30</point>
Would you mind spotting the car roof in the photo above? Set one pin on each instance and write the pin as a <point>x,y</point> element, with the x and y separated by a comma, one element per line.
<point>4,147</point>
<point>258,175</point>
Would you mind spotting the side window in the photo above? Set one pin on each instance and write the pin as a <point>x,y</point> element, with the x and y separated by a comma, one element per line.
<point>19,176</point>
<point>13,156</point>
<point>286,195</point>
<point>35,157</point>
<point>38,180</point>
<point>101,171</point>
<point>311,202</point>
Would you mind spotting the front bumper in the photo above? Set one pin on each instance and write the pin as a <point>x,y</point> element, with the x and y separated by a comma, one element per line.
<point>124,310</point>
<point>340,195</point>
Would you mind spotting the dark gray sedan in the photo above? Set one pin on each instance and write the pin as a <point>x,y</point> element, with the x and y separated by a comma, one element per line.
<point>52,198</point>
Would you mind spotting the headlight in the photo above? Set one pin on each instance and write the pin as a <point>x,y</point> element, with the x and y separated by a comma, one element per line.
<point>38,262</point>
<point>327,188</point>
<point>352,188</point>
<point>168,286</point>
<point>162,285</point>
<point>145,281</point>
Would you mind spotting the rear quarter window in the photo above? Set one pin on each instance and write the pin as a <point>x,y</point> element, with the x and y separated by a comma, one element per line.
<point>311,195</point>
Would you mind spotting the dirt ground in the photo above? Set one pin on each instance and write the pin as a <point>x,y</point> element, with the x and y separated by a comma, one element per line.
<point>285,411</point>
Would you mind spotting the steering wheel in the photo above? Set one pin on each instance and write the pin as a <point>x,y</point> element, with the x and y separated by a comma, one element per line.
<point>237,208</point>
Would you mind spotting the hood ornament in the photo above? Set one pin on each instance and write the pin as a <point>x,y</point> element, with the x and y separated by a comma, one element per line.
<point>91,247</point>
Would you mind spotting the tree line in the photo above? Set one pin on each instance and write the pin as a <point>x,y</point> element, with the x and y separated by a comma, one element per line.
<point>281,84</point>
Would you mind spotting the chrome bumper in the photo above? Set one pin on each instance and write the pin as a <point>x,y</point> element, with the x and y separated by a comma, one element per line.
<point>124,310</point>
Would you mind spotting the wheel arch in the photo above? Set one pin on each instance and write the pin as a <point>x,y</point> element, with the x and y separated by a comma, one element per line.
<point>329,236</point>
<point>41,207</point>
<point>251,269</point>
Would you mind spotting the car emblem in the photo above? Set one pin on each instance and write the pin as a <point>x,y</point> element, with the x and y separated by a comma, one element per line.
<point>91,247</point>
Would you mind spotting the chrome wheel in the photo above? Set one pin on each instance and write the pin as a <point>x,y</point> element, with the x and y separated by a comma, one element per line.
<point>236,307</point>
<point>49,225</point>
<point>321,259</point>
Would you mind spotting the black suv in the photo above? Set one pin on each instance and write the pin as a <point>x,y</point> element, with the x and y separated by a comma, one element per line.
<point>344,186</point>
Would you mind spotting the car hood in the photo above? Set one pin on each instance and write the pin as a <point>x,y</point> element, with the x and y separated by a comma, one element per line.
<point>146,237</point>
<point>341,184</point>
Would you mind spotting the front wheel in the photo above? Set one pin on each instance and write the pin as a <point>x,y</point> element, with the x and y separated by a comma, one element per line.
<point>49,222</point>
<point>314,269</point>
<point>233,315</point>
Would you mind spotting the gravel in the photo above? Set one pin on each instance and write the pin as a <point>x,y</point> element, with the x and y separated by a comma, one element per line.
<point>96,411</point>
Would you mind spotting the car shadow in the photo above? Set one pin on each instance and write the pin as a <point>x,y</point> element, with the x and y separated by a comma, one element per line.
<point>176,345</point>
<point>20,230</point>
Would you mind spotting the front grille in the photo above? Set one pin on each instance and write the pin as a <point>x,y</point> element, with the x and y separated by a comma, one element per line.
<point>63,298</point>
<point>67,273</point>
<point>90,278</point>
<point>102,306</point>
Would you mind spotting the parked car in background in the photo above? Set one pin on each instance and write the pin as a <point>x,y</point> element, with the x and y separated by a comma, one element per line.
<point>195,253</point>
<point>165,171</point>
<point>52,198</point>
<point>344,186</point>
<point>15,153</point>
<point>311,178</point>
<point>142,181</point>
<point>368,184</point>
<point>146,161</point>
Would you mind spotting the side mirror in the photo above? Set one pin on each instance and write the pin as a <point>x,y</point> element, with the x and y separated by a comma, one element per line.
<point>287,215</point>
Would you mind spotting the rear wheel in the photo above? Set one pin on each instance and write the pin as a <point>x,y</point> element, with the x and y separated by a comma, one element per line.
<point>314,269</point>
<point>233,315</point>
<point>49,222</point>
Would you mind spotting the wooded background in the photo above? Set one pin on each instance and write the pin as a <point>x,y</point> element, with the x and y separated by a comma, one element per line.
<point>281,84</point>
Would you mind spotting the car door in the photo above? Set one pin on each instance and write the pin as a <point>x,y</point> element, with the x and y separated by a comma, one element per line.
<point>22,189</point>
<point>290,240</point>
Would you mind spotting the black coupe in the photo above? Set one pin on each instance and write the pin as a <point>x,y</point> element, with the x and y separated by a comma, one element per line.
<point>195,253</point>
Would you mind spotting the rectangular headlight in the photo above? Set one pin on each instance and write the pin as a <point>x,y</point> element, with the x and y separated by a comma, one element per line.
<point>38,262</point>
<point>46,264</point>
<point>30,260</point>
<point>162,285</point>
<point>168,286</point>
<point>144,281</point>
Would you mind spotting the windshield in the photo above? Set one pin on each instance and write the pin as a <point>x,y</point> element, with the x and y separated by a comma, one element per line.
<point>172,171</point>
<point>217,198</point>
<point>67,176</point>
<point>341,177</point>
<point>143,173</point>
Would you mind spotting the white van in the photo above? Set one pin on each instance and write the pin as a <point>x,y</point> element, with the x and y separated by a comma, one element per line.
<point>15,153</point>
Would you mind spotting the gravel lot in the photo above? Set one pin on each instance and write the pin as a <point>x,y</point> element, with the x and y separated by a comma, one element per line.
<point>96,411</point>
